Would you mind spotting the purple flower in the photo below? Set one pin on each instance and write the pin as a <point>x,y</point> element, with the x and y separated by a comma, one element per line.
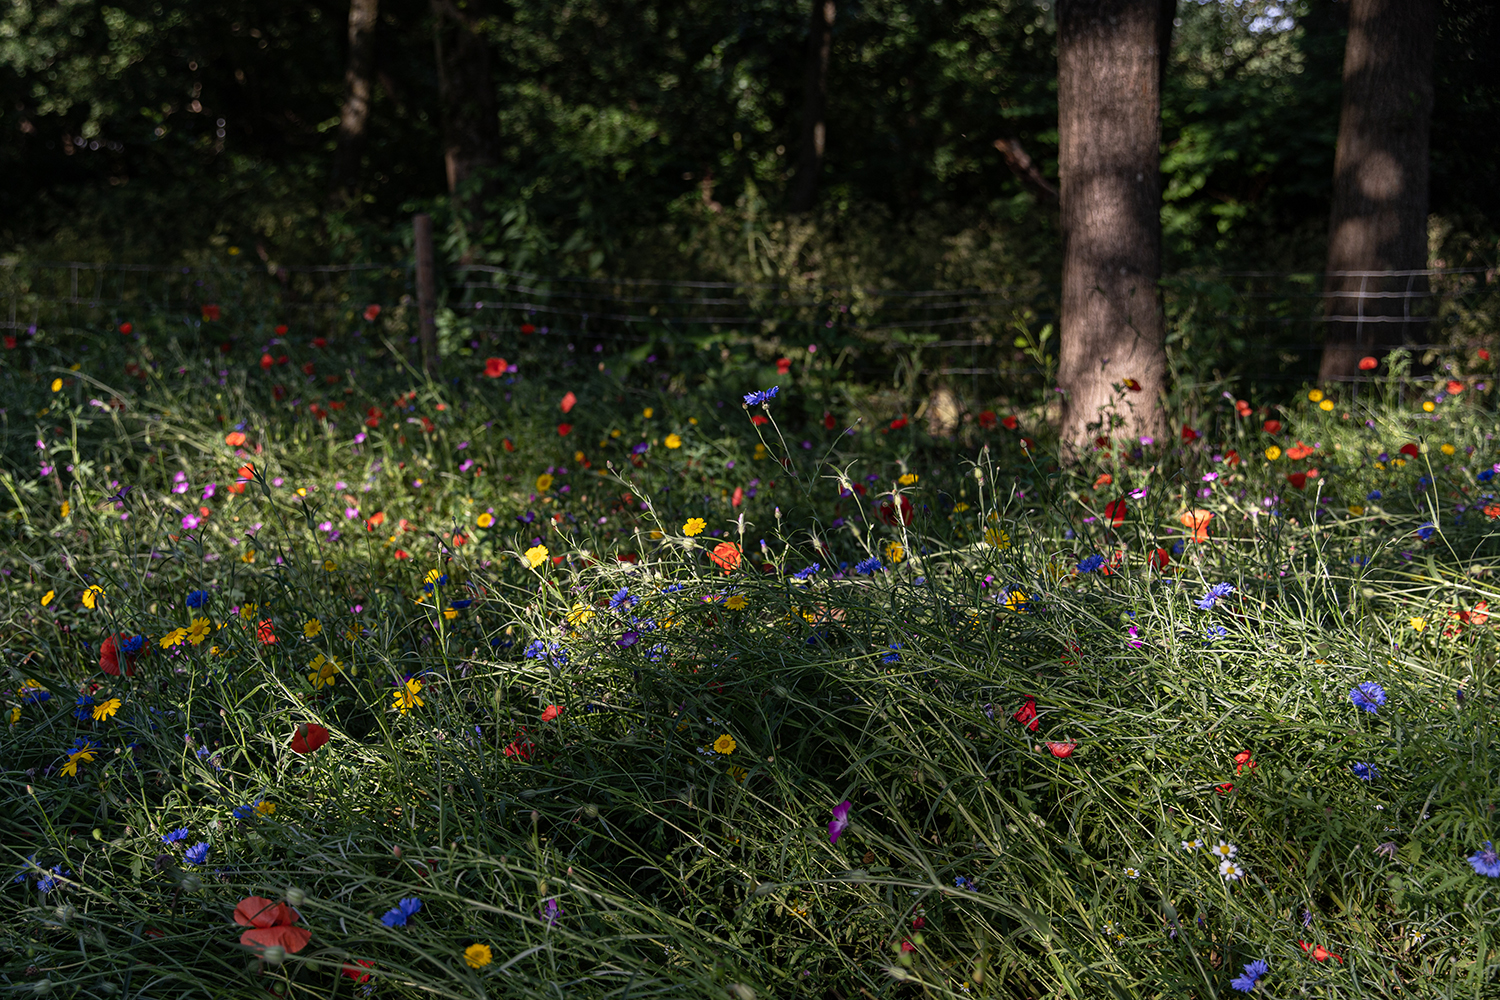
<point>1364,772</point>
<point>840,821</point>
<point>1215,592</point>
<point>1486,861</point>
<point>208,491</point>
<point>1254,972</point>
<point>197,854</point>
<point>1368,696</point>
<point>174,836</point>
<point>628,639</point>
<point>761,397</point>
<point>551,910</point>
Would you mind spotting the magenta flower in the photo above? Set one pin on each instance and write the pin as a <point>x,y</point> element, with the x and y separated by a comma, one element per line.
<point>840,821</point>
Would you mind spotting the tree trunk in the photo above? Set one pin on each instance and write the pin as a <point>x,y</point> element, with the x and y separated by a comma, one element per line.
<point>1379,217</point>
<point>814,107</point>
<point>1113,365</point>
<point>471,123</point>
<point>354,118</point>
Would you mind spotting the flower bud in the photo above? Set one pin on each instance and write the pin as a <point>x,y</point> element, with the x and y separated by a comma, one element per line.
<point>296,896</point>
<point>274,955</point>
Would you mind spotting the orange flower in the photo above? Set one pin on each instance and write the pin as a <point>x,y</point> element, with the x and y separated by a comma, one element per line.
<point>1368,364</point>
<point>234,439</point>
<point>271,925</point>
<point>552,712</point>
<point>495,367</point>
<point>1243,760</point>
<point>375,520</point>
<point>726,556</point>
<point>1105,479</point>
<point>1319,953</point>
<point>568,402</point>
<point>1196,521</point>
<point>265,631</point>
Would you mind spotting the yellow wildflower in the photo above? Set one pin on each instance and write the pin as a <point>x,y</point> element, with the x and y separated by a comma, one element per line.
<point>15,714</point>
<point>92,595</point>
<point>1428,406</point>
<point>736,602</point>
<point>544,482</point>
<point>536,555</point>
<point>673,441</point>
<point>580,614</point>
<point>1017,600</point>
<point>47,597</point>
<point>266,808</point>
<point>1316,395</point>
<point>1356,510</point>
<point>106,709</point>
<point>725,744</point>
<point>894,552</point>
<point>324,671</point>
<point>329,565</point>
<point>1273,453</point>
<point>485,520</point>
<point>694,526</point>
<point>248,611</point>
<point>173,638</point>
<point>198,631</point>
<point>248,556</point>
<point>57,385</point>
<point>1447,449</point>
<point>67,508</point>
<point>1326,406</point>
<point>648,413</point>
<point>909,479</point>
<point>477,956</point>
<point>408,697</point>
<point>1418,623</point>
<point>311,628</point>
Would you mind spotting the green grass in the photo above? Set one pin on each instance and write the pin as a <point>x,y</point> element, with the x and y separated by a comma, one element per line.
<point>610,850</point>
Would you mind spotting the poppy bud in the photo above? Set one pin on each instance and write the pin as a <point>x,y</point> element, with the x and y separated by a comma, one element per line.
<point>296,896</point>
<point>274,955</point>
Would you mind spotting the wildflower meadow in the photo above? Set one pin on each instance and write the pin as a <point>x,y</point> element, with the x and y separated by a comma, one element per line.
<point>553,674</point>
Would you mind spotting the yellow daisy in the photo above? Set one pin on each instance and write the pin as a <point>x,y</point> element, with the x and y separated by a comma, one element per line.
<point>694,526</point>
<point>173,638</point>
<point>92,595</point>
<point>673,441</point>
<point>324,671</point>
<point>311,628</point>
<point>47,597</point>
<point>408,697</point>
<point>725,744</point>
<point>477,956</point>
<point>536,555</point>
<point>198,631</point>
<point>106,709</point>
<point>485,520</point>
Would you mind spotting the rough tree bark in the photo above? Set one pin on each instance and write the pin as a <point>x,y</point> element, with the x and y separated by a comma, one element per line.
<point>471,122</point>
<point>814,107</point>
<point>354,118</point>
<point>1380,170</point>
<point>1109,124</point>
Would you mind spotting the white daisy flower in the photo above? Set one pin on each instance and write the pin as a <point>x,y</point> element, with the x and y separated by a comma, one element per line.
<point>1231,871</point>
<point>1132,872</point>
<point>1189,846</point>
<point>1223,850</point>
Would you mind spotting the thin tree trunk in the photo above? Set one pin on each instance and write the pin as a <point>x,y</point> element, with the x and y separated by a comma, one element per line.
<point>1380,170</point>
<point>1113,365</point>
<point>814,107</point>
<point>354,118</point>
<point>471,123</point>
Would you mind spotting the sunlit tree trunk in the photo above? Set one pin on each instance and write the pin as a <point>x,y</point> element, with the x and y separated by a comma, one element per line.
<point>471,124</point>
<point>354,118</point>
<point>814,107</point>
<point>1112,368</point>
<point>1379,217</point>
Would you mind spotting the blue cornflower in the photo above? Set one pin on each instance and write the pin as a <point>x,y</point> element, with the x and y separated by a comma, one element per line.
<point>1215,592</point>
<point>1426,531</point>
<point>197,854</point>
<point>655,653</point>
<point>1364,772</point>
<point>894,656</point>
<point>33,695</point>
<point>536,649</point>
<point>460,605</point>
<point>1486,475</point>
<point>49,881</point>
<point>672,589</point>
<point>1368,696</point>
<point>197,598</point>
<point>403,911</point>
<point>1254,972</point>
<point>964,883</point>
<point>807,571</point>
<point>1486,861</point>
<point>24,872</point>
<point>85,708</point>
<point>622,599</point>
<point>1214,633</point>
<point>1090,564</point>
<point>1374,495</point>
<point>246,812</point>
<point>869,566</point>
<point>762,397</point>
<point>173,836</point>
<point>133,645</point>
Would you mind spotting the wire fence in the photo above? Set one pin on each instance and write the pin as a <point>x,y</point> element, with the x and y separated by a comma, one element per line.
<point>1262,325</point>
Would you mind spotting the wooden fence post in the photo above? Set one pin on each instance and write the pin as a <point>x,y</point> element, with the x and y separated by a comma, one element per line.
<point>421,225</point>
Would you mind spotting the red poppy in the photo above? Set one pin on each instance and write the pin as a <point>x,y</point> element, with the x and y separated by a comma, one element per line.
<point>318,342</point>
<point>520,747</point>
<point>828,422</point>
<point>234,439</point>
<point>1100,443</point>
<point>495,367</point>
<point>308,368</point>
<point>1242,407</point>
<point>1026,714</point>
<point>568,402</point>
<point>10,342</point>
<point>1368,364</point>
<point>1010,423</point>
<point>109,656</point>
<point>356,969</point>
<point>1272,426</point>
<point>738,497</point>
<point>125,328</point>
<point>281,329</point>
<point>211,313</point>
<point>1188,434</point>
<point>371,312</point>
<point>266,361</point>
<point>308,738</point>
<point>894,514</point>
<point>1299,451</point>
<point>1159,559</point>
<point>265,631</point>
<point>551,712</point>
<point>508,444</point>
<point>375,520</point>
<point>563,430</point>
<point>726,556</point>
<point>760,418</point>
<point>1318,953</point>
<point>1115,512</point>
<point>1297,479</point>
<point>987,419</point>
<point>527,328</point>
<point>1196,521</point>
<point>1242,761</point>
<point>402,554</point>
<point>1484,355</point>
<point>1232,457</point>
<point>1062,750</point>
<point>1454,387</point>
<point>1411,450</point>
<point>899,423</point>
<point>1225,788</point>
<point>783,365</point>
<point>271,925</point>
<point>1105,479</point>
